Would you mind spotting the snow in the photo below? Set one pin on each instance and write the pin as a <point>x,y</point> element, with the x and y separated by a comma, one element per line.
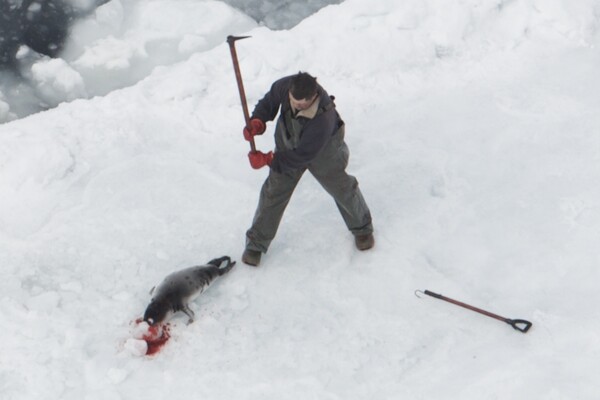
<point>473,131</point>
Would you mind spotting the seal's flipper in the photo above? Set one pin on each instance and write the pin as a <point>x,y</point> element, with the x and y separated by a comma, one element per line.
<point>217,261</point>
<point>188,311</point>
<point>226,268</point>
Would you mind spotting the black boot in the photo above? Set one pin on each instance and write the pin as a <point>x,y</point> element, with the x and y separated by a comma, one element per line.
<point>251,257</point>
<point>364,242</point>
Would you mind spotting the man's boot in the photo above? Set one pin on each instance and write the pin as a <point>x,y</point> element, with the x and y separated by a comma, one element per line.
<point>251,257</point>
<point>364,242</point>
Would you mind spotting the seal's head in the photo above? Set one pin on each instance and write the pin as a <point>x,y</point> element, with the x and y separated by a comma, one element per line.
<point>156,312</point>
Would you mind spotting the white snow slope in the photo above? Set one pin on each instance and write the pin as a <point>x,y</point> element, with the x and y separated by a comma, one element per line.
<point>474,133</point>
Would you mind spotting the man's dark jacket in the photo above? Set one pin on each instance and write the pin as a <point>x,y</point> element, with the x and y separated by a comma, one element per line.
<point>315,132</point>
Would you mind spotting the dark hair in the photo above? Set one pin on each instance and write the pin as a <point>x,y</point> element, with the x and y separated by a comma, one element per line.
<point>304,86</point>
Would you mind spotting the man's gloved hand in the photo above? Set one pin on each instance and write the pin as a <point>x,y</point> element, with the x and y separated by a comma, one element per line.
<point>257,127</point>
<point>258,159</point>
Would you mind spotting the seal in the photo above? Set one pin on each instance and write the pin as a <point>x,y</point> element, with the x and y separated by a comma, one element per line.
<point>178,289</point>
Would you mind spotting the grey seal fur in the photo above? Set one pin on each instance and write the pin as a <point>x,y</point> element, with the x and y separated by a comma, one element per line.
<point>178,289</point>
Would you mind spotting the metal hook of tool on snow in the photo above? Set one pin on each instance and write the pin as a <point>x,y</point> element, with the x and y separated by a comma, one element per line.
<point>520,325</point>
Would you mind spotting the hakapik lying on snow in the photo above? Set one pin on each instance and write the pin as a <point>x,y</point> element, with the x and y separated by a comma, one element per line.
<point>178,289</point>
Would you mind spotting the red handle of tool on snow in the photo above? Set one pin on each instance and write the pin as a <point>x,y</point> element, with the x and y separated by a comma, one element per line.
<point>519,324</point>
<point>238,77</point>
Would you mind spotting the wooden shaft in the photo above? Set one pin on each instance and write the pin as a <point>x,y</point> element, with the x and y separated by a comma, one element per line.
<point>238,76</point>
<point>467,306</point>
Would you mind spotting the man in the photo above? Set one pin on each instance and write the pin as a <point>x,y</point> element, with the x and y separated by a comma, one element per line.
<point>309,135</point>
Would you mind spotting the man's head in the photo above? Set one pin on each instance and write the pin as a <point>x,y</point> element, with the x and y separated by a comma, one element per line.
<point>303,90</point>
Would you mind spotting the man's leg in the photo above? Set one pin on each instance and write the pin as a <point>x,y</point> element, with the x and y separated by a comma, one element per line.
<point>330,171</point>
<point>274,198</point>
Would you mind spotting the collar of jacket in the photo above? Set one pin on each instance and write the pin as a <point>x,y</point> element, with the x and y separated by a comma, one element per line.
<point>311,111</point>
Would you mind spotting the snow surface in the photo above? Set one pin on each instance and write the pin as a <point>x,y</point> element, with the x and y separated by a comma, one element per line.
<point>474,133</point>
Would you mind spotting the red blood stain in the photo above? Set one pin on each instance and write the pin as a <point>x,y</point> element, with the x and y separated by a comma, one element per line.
<point>156,337</point>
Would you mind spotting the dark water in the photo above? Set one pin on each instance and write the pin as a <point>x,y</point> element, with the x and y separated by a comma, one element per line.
<point>42,25</point>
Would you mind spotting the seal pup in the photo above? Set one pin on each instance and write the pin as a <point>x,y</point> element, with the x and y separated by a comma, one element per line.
<point>181,287</point>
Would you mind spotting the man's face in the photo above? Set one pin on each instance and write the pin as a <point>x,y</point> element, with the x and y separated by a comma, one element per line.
<point>303,104</point>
